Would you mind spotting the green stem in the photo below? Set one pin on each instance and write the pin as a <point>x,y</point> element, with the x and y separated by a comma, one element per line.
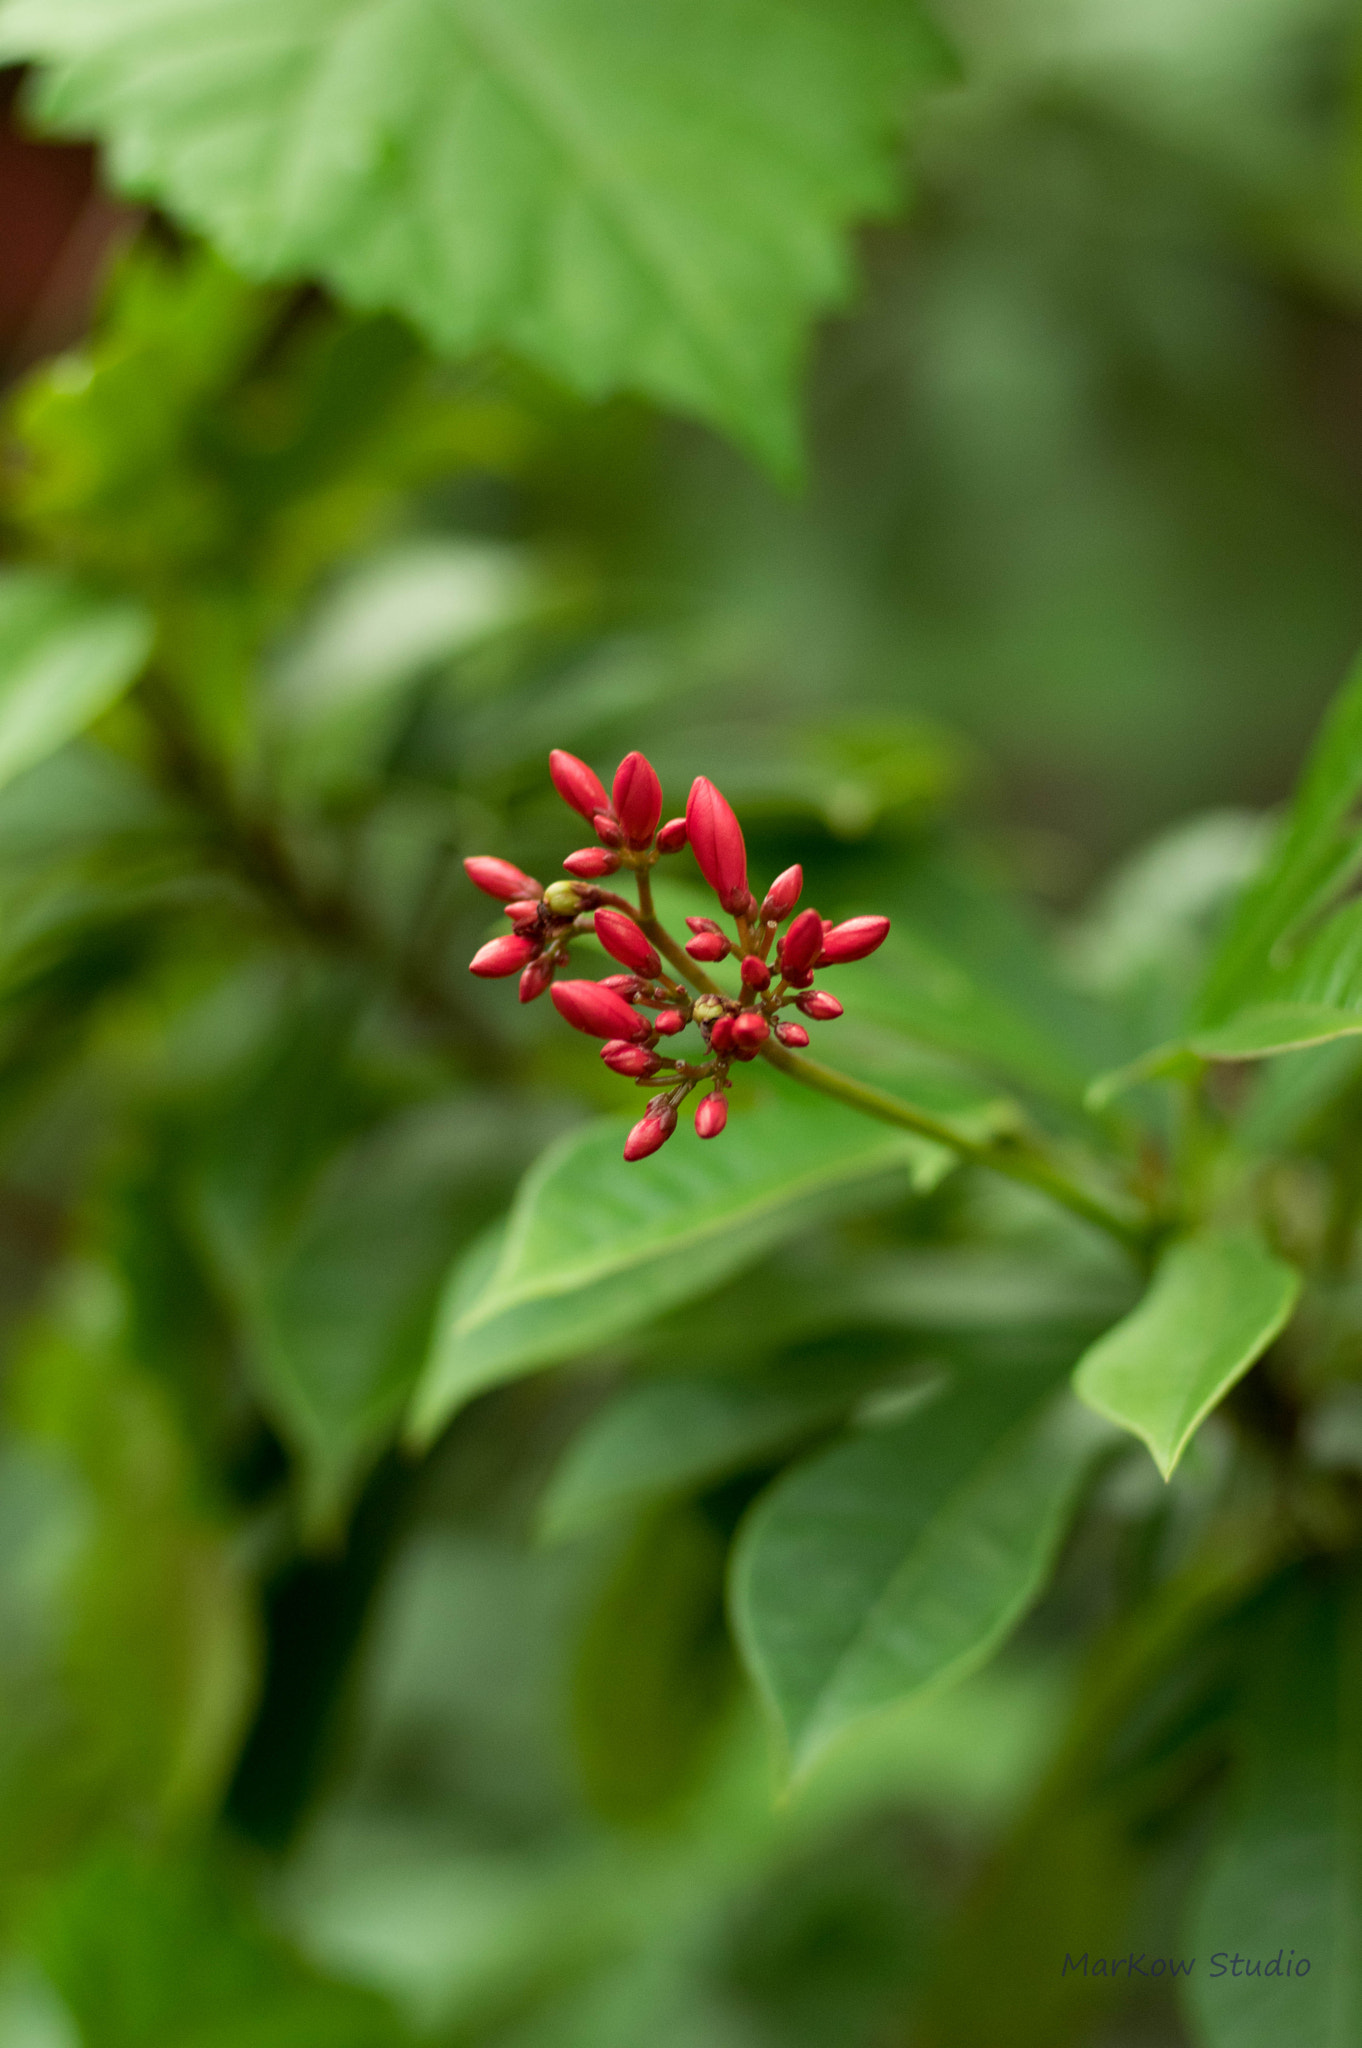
<point>665,943</point>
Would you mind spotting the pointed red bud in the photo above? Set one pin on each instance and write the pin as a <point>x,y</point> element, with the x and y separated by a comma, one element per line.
<point>537,977</point>
<point>607,831</point>
<point>750,1030</point>
<point>637,797</point>
<point>626,985</point>
<point>524,916</point>
<point>792,1034</point>
<point>711,1116</point>
<point>634,1060</point>
<point>672,837</point>
<point>802,943</point>
<point>577,784</point>
<point>498,878</point>
<point>819,1005</point>
<point>591,863</point>
<point>708,946</point>
<point>853,940</point>
<point>782,895</point>
<point>506,955</point>
<point>703,924</point>
<point>650,1133</point>
<point>598,1011</point>
<point>669,1022</point>
<point>755,973</point>
<point>716,837</point>
<point>624,942</point>
<point>721,1035</point>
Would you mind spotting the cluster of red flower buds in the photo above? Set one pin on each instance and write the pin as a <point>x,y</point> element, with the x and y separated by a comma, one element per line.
<point>738,1027</point>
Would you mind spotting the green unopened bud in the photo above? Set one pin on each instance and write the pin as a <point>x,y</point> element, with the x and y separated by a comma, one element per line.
<point>707,1008</point>
<point>564,899</point>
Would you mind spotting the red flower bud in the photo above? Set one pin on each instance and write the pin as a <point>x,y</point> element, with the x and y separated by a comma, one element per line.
<point>577,784</point>
<point>597,1011</point>
<point>498,878</point>
<point>669,1022</point>
<point>524,916</point>
<point>703,924</point>
<point>637,797</point>
<point>792,1034</point>
<point>537,977</point>
<point>506,955</point>
<point>626,985</point>
<point>672,837</point>
<point>802,943</point>
<point>711,1116</point>
<point>750,1030</point>
<point>818,1005</point>
<point>716,837</point>
<point>650,1133</point>
<point>708,946</point>
<point>801,980</point>
<point>721,1035</point>
<point>755,973</point>
<point>635,1060</point>
<point>591,863</point>
<point>607,831</point>
<point>624,942</point>
<point>782,895</point>
<point>853,940</point>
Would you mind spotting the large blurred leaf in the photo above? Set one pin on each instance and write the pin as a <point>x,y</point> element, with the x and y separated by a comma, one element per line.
<point>899,1559</point>
<point>649,197</point>
<point>594,1246</point>
<point>1216,1303</point>
<point>1285,1878</point>
<point>65,656</point>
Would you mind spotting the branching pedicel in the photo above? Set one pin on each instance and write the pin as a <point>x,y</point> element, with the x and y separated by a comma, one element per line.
<point>544,923</point>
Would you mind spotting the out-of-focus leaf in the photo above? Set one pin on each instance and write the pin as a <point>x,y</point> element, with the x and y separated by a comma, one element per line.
<point>594,1246</point>
<point>900,1559</point>
<point>1284,1884</point>
<point>1215,1304</point>
<point>65,656</point>
<point>649,199</point>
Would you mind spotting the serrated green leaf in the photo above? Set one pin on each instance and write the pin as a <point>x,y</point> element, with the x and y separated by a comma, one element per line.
<point>1216,1303</point>
<point>65,656</point>
<point>595,1247</point>
<point>1284,1882</point>
<point>898,1560</point>
<point>647,197</point>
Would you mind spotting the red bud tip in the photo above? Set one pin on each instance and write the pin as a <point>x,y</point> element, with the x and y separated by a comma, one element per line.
<point>669,1022</point>
<point>819,1005</point>
<point>649,1134</point>
<point>598,1011</point>
<point>782,895</point>
<point>750,1030</point>
<point>708,946</point>
<point>577,784</point>
<point>755,973</point>
<point>853,940</point>
<point>711,1116</point>
<point>506,955</point>
<point>672,837</point>
<point>637,797</point>
<point>591,863</point>
<point>721,1035</point>
<point>792,1034</point>
<point>624,942</point>
<point>537,977</point>
<point>626,985</point>
<point>703,924</point>
<point>498,878</point>
<point>716,837</point>
<point>634,1060</point>
<point>607,831</point>
<point>802,943</point>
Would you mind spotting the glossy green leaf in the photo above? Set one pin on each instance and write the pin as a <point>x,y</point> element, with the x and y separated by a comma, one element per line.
<point>594,1247</point>
<point>1216,1302</point>
<point>647,197</point>
<point>65,656</point>
<point>899,1559</point>
<point>1284,1883</point>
